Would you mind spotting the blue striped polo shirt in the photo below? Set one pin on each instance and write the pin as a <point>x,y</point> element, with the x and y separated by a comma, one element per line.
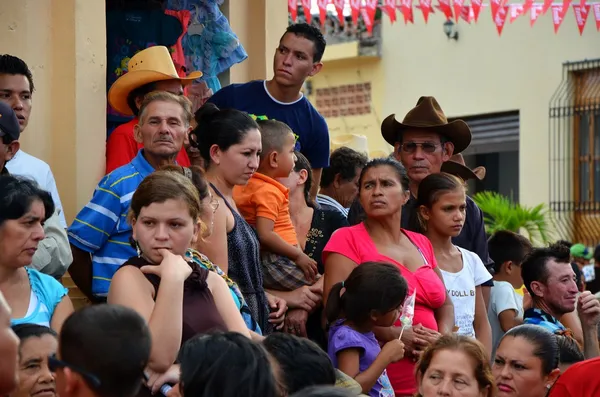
<point>101,227</point>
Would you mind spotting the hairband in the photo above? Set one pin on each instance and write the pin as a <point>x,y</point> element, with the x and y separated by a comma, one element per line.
<point>343,284</point>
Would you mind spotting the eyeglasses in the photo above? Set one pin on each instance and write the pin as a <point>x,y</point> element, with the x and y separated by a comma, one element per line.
<point>214,204</point>
<point>54,364</point>
<point>427,147</point>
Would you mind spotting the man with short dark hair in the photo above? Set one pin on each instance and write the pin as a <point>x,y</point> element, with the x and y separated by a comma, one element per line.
<point>100,234</point>
<point>550,280</point>
<point>102,352</point>
<point>297,57</point>
<point>339,181</point>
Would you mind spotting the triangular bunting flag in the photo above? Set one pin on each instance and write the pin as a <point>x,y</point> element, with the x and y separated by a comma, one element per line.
<point>339,7</point>
<point>306,7</point>
<point>390,9</point>
<point>581,15</point>
<point>355,6</point>
<point>444,6</point>
<point>476,7</point>
<point>547,4</point>
<point>566,4</point>
<point>458,5</point>
<point>467,13</point>
<point>535,12</point>
<point>322,4</point>
<point>293,9</point>
<point>596,8</point>
<point>500,18</point>
<point>516,10</point>
<point>368,14</point>
<point>557,16</point>
<point>426,8</point>
<point>527,6</point>
<point>406,8</point>
<point>495,4</point>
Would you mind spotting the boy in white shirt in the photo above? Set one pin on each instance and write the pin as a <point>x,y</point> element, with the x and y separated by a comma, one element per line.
<point>505,311</point>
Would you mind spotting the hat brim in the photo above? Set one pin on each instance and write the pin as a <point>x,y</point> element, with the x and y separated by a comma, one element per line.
<point>457,169</point>
<point>118,92</point>
<point>457,132</point>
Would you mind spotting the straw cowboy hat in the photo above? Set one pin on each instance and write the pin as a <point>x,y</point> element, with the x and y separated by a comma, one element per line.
<point>456,166</point>
<point>427,115</point>
<point>147,66</point>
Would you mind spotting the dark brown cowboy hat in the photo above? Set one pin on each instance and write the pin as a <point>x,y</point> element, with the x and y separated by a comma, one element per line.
<point>456,166</point>
<point>428,115</point>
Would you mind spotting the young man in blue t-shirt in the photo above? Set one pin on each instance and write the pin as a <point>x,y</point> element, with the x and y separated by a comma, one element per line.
<point>297,57</point>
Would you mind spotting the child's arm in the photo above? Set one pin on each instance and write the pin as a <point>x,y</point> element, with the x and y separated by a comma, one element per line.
<point>508,319</point>
<point>483,330</point>
<point>348,363</point>
<point>272,242</point>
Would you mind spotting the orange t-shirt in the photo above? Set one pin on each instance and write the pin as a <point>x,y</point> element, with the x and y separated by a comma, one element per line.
<point>265,197</point>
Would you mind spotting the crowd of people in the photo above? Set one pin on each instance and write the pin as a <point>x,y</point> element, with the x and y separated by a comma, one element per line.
<point>230,253</point>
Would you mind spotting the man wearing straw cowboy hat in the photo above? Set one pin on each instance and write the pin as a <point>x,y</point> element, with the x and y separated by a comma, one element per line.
<point>422,142</point>
<point>149,70</point>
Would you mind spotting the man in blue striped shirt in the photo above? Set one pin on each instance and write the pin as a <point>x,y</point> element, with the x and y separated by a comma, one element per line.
<point>100,235</point>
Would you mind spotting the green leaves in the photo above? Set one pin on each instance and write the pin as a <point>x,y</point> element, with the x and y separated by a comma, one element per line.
<point>500,213</point>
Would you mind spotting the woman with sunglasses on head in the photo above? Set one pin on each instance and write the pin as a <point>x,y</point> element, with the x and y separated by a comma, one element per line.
<point>32,296</point>
<point>36,344</point>
<point>177,297</point>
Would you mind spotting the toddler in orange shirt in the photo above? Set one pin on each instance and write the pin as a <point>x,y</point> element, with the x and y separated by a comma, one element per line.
<point>264,203</point>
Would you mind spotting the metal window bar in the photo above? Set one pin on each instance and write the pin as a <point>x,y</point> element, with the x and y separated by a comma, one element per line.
<point>575,203</point>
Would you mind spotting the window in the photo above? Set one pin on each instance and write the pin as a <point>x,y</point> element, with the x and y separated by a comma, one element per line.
<point>587,136</point>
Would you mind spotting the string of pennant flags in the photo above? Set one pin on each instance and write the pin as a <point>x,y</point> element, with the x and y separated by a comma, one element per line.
<point>456,10</point>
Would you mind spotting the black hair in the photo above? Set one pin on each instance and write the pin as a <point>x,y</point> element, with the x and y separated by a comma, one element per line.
<point>195,174</point>
<point>28,330</point>
<point>111,342</point>
<point>229,364</point>
<point>545,345</point>
<point>506,246</point>
<point>343,161</point>
<point>597,254</point>
<point>302,362</point>
<point>534,266</point>
<point>371,287</point>
<point>430,190</point>
<point>272,136</point>
<point>324,391</point>
<point>302,163</point>
<point>389,162</point>
<point>566,243</point>
<point>10,64</point>
<point>16,196</point>
<point>570,353</point>
<point>223,128</point>
<point>311,33</point>
<point>141,91</point>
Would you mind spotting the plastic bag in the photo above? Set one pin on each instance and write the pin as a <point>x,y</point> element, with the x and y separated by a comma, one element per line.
<point>408,310</point>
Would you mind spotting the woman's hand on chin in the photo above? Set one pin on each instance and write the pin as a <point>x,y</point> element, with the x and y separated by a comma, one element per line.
<point>173,267</point>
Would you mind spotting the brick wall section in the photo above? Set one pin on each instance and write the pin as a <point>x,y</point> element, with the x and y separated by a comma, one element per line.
<point>344,100</point>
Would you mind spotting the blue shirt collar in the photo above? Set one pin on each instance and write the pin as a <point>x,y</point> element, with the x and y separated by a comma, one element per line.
<point>141,164</point>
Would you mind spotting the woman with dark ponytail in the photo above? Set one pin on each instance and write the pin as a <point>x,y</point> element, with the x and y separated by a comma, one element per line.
<point>371,296</point>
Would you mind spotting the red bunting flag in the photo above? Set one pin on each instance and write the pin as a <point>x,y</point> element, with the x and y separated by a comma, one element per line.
<point>355,6</point>
<point>426,8</point>
<point>322,11</point>
<point>467,13</point>
<point>527,6</point>
<point>406,8</point>
<point>535,12</point>
<point>444,6</point>
<point>390,9</point>
<point>458,5</point>
<point>495,4</point>
<point>596,8</point>
<point>516,10</point>
<point>500,18</point>
<point>557,16</point>
<point>339,7</point>
<point>476,7</point>
<point>566,4</point>
<point>583,3</point>
<point>293,9</point>
<point>306,6</point>
<point>547,4</point>
<point>368,14</point>
<point>581,15</point>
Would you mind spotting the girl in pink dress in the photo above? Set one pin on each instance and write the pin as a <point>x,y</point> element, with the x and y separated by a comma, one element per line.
<point>383,190</point>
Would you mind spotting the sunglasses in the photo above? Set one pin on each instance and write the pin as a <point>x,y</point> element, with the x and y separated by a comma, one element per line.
<point>427,147</point>
<point>54,364</point>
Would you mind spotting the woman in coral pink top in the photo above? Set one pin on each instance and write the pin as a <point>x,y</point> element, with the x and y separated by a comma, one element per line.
<point>383,191</point>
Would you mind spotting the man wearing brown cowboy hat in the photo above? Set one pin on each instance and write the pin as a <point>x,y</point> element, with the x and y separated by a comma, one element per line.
<point>422,142</point>
<point>149,70</point>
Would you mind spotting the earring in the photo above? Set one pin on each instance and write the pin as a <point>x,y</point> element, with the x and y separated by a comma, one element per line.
<point>138,250</point>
